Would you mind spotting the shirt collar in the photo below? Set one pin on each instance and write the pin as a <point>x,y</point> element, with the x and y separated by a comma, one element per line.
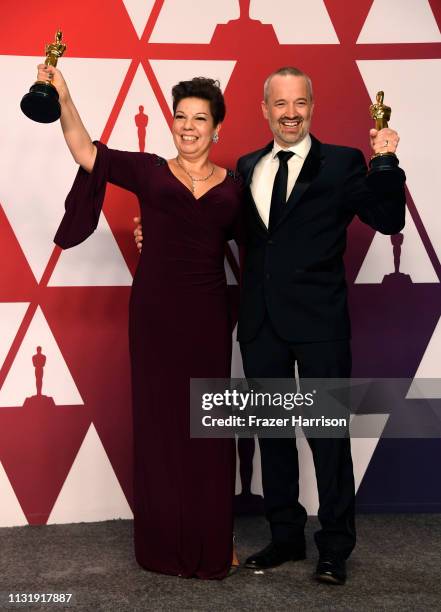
<point>301,149</point>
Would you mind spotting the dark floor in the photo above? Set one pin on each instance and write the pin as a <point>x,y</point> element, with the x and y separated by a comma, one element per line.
<point>396,566</point>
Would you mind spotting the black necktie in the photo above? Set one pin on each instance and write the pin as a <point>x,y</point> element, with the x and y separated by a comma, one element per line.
<point>278,197</point>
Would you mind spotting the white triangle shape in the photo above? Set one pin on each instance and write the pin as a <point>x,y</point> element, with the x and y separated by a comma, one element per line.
<point>256,478</point>
<point>179,25</point>
<point>91,491</point>
<point>31,150</point>
<point>314,25</point>
<point>238,484</point>
<point>414,261</point>
<point>364,448</point>
<point>236,358</point>
<point>395,21</point>
<point>421,162</point>
<point>362,451</point>
<point>57,380</point>
<point>427,381</point>
<point>231,279</point>
<point>139,13</point>
<point>125,135</point>
<point>11,315</point>
<point>11,513</point>
<point>96,262</point>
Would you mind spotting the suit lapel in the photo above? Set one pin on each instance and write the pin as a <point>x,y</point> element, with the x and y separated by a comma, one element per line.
<point>311,166</point>
<point>252,160</point>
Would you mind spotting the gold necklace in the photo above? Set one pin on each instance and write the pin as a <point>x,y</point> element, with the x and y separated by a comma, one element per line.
<point>194,179</point>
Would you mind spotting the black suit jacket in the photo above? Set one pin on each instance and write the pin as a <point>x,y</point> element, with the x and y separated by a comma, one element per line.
<point>295,272</point>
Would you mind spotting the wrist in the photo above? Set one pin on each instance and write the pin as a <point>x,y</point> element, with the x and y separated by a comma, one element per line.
<point>65,99</point>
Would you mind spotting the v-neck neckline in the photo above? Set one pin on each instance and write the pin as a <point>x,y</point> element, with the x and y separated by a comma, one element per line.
<point>189,190</point>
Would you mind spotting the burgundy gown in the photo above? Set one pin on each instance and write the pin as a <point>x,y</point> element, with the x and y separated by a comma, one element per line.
<point>179,328</point>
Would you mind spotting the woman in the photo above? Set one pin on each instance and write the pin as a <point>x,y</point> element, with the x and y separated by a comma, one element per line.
<point>179,322</point>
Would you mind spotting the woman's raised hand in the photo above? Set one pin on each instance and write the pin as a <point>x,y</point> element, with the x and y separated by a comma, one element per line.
<point>52,75</point>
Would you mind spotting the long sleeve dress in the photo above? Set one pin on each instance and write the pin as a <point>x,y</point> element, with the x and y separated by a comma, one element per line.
<point>179,327</point>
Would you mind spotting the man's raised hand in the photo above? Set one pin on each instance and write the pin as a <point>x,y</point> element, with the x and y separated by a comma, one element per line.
<point>384,141</point>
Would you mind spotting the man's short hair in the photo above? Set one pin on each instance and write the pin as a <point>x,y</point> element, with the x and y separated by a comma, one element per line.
<point>288,71</point>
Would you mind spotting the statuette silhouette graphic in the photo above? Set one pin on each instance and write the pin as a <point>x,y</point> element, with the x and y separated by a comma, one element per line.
<point>39,361</point>
<point>41,103</point>
<point>396,277</point>
<point>141,121</point>
<point>39,403</point>
<point>245,27</point>
<point>397,240</point>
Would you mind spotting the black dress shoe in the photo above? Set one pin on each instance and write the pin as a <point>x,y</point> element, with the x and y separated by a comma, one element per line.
<point>331,571</point>
<point>272,556</point>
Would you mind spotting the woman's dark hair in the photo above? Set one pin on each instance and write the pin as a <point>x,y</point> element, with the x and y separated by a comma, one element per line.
<point>206,89</point>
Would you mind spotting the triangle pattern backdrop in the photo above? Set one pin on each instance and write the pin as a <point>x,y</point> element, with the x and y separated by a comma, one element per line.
<point>124,134</point>
<point>139,13</point>
<point>408,111</point>
<point>414,260</point>
<point>36,171</point>
<point>11,315</point>
<point>427,382</point>
<point>12,514</point>
<point>413,22</point>
<point>57,381</point>
<point>101,499</point>
<point>33,191</point>
<point>316,23</point>
<point>175,26</point>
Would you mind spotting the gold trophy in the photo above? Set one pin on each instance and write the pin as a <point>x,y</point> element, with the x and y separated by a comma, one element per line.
<point>381,115</point>
<point>383,165</point>
<point>41,103</point>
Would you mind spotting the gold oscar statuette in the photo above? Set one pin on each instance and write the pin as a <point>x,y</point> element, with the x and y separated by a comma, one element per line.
<point>383,166</point>
<point>380,113</point>
<point>41,103</point>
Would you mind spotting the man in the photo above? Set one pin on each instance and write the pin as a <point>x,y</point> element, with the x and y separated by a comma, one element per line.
<point>301,197</point>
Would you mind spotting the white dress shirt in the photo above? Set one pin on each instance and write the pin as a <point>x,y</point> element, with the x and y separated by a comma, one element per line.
<point>265,172</point>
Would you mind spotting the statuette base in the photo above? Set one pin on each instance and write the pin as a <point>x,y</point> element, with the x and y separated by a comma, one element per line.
<point>41,103</point>
<point>384,172</point>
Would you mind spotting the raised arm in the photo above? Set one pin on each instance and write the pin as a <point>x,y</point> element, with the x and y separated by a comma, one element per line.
<point>77,138</point>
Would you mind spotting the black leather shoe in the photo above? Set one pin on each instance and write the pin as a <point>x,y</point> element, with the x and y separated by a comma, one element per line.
<point>331,571</point>
<point>272,556</point>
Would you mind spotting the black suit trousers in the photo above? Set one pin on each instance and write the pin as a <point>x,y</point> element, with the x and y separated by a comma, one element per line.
<point>269,356</point>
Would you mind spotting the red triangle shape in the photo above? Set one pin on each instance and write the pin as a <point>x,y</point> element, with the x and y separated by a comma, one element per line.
<point>14,266</point>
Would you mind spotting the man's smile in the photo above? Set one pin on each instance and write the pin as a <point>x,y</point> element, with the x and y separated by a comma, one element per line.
<point>291,123</point>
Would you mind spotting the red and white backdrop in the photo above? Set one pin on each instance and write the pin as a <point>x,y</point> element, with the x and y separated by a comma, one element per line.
<point>66,455</point>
